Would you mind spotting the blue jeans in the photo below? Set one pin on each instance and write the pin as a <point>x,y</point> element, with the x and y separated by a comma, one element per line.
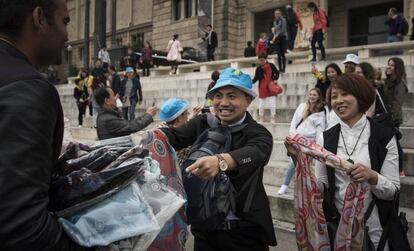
<point>95,115</point>
<point>393,38</point>
<point>289,172</point>
<point>129,112</point>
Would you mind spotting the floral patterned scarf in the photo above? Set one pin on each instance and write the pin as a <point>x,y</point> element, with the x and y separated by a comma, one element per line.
<point>311,228</point>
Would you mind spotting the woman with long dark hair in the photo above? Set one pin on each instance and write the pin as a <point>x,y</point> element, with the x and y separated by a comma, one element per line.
<point>332,71</point>
<point>394,91</point>
<point>174,53</point>
<point>309,121</point>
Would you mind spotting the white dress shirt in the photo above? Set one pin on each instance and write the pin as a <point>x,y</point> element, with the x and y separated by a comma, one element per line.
<point>104,56</point>
<point>388,178</point>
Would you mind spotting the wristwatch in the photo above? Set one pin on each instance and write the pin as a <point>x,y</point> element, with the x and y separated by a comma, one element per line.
<point>222,163</point>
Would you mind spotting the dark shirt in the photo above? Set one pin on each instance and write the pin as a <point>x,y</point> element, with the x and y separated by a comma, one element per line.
<point>97,72</point>
<point>111,125</point>
<point>249,51</point>
<point>31,133</point>
<point>395,25</point>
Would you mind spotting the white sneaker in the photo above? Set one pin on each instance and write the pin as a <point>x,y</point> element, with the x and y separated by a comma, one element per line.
<point>283,189</point>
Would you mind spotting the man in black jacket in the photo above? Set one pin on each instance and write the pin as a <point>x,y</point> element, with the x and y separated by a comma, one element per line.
<point>250,151</point>
<point>211,39</point>
<point>110,123</point>
<point>32,35</point>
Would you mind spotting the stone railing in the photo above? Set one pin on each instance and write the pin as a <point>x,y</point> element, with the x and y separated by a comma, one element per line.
<point>363,51</point>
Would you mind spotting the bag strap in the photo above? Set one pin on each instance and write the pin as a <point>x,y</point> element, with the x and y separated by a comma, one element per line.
<point>387,228</point>
<point>370,208</point>
<point>382,102</point>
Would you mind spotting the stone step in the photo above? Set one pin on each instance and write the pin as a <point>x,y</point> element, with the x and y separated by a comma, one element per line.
<point>279,154</point>
<point>282,208</point>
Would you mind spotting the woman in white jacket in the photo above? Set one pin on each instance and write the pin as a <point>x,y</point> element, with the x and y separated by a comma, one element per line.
<point>309,120</point>
<point>174,53</point>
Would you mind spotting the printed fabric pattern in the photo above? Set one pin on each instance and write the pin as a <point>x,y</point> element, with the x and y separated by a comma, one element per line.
<point>174,234</point>
<point>310,222</point>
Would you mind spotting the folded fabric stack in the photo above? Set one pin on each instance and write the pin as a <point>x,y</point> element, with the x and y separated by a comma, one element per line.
<point>111,194</point>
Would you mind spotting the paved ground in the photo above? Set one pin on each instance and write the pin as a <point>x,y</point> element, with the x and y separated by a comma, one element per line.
<point>285,239</point>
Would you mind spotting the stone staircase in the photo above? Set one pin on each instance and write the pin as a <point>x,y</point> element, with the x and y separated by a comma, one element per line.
<point>296,81</point>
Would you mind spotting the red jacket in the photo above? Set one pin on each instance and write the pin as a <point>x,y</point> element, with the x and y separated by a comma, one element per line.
<point>260,46</point>
<point>319,20</point>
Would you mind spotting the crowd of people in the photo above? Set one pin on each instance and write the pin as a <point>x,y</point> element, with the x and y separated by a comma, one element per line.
<point>222,150</point>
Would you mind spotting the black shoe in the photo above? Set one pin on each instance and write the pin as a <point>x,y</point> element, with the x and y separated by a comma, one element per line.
<point>313,60</point>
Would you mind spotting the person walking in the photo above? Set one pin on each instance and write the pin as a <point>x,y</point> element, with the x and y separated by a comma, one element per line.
<point>280,39</point>
<point>265,73</point>
<point>32,35</point>
<point>309,121</point>
<point>103,55</point>
<point>318,30</point>
<point>212,42</point>
<point>395,26</point>
<point>80,93</point>
<point>130,94</point>
<point>293,23</point>
<point>174,53</point>
<point>96,84</point>
<point>146,58</point>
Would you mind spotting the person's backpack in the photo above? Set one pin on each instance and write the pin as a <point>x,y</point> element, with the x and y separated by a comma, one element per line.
<point>405,26</point>
<point>291,17</point>
<point>210,201</point>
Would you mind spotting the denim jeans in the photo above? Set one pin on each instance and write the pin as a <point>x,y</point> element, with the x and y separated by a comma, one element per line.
<point>290,171</point>
<point>95,115</point>
<point>129,112</point>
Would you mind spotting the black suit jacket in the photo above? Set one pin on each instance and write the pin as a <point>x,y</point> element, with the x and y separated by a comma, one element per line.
<point>251,149</point>
<point>214,40</point>
<point>31,133</point>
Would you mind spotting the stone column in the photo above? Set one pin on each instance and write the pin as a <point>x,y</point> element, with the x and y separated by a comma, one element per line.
<point>86,36</point>
<point>100,26</point>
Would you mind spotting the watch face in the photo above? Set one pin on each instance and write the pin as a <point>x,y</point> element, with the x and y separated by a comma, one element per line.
<point>223,165</point>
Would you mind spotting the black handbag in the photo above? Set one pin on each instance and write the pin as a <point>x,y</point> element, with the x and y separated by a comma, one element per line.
<point>367,244</point>
<point>386,119</point>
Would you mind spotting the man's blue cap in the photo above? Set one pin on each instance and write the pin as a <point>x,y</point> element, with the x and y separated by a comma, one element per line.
<point>129,70</point>
<point>236,78</point>
<point>172,108</point>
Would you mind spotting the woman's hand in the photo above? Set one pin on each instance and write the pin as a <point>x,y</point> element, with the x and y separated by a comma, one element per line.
<point>361,173</point>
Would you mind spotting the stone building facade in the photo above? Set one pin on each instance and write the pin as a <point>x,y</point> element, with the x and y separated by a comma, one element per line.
<point>352,22</point>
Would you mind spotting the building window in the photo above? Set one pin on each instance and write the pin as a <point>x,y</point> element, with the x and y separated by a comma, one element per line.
<point>137,41</point>
<point>119,41</point>
<point>80,53</point>
<point>184,9</point>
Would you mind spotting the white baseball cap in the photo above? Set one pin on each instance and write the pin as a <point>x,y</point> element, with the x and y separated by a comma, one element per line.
<point>351,58</point>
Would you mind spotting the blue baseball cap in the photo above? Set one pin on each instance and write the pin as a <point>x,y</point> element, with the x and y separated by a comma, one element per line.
<point>172,108</point>
<point>129,70</point>
<point>236,78</point>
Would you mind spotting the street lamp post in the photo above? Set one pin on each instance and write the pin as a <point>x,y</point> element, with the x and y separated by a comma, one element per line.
<point>69,50</point>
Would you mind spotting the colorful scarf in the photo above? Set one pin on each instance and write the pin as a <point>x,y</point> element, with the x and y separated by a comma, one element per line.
<point>311,229</point>
<point>174,234</point>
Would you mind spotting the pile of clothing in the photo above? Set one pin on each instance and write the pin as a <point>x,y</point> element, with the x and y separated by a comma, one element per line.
<point>111,194</point>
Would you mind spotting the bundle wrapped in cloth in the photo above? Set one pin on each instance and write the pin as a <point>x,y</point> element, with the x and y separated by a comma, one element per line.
<point>110,194</point>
